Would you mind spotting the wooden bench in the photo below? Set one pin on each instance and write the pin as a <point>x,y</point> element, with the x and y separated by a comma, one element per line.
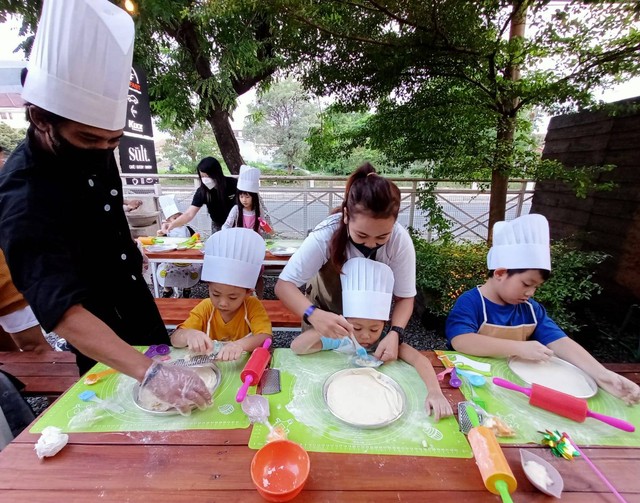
<point>175,311</point>
<point>49,374</point>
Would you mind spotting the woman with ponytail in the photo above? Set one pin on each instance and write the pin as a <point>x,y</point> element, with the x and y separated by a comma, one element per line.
<point>365,226</point>
<point>216,191</point>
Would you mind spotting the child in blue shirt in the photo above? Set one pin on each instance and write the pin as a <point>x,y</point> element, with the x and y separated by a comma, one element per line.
<point>367,290</point>
<point>500,319</point>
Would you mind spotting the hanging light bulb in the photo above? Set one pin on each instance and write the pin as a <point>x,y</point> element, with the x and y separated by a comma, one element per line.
<point>130,6</point>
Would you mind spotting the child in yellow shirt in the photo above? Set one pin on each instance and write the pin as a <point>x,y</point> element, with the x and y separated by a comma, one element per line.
<point>232,262</point>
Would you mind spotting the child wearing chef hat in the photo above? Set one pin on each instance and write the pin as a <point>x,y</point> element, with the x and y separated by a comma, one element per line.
<point>247,211</point>
<point>367,292</point>
<point>172,275</point>
<point>232,261</point>
<point>501,319</point>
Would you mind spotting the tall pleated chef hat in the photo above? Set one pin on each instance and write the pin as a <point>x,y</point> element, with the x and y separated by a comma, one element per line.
<point>234,257</point>
<point>522,243</point>
<point>249,179</point>
<point>367,289</point>
<point>80,64</point>
<point>168,205</point>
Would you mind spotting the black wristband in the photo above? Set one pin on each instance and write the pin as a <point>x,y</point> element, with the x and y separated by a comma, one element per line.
<point>399,331</point>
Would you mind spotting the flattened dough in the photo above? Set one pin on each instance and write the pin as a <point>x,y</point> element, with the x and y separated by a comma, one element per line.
<point>360,397</point>
<point>555,374</point>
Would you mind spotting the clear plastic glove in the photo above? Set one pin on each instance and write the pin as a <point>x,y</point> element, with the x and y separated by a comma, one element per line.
<point>344,345</point>
<point>50,442</point>
<point>180,387</point>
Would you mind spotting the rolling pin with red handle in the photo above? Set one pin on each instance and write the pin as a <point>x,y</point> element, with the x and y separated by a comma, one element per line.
<point>254,369</point>
<point>562,404</point>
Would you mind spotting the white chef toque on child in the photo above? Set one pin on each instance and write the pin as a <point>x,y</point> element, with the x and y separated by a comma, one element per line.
<point>367,289</point>
<point>168,205</point>
<point>234,257</point>
<point>522,243</point>
<point>80,64</point>
<point>249,179</point>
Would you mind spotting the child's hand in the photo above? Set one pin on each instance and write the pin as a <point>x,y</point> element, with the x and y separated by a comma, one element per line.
<point>230,351</point>
<point>198,342</point>
<point>387,349</point>
<point>533,350</point>
<point>437,404</point>
<point>621,387</point>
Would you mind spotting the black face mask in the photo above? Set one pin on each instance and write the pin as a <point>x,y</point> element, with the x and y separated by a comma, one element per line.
<point>91,158</point>
<point>365,250</point>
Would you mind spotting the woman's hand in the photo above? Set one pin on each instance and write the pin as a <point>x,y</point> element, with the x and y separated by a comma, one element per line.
<point>331,325</point>
<point>165,228</point>
<point>230,351</point>
<point>387,350</point>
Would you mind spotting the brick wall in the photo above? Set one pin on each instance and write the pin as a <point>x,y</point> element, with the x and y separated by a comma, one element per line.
<point>606,221</point>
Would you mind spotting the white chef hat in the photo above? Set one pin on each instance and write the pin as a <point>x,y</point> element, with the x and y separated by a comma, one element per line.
<point>80,64</point>
<point>522,243</point>
<point>234,257</point>
<point>168,205</point>
<point>367,289</point>
<point>249,179</point>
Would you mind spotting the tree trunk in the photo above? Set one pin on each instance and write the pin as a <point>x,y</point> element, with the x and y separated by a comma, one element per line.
<point>506,127</point>
<point>229,148</point>
<point>500,175</point>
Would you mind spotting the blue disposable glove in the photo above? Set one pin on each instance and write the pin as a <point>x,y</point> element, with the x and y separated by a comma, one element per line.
<point>344,345</point>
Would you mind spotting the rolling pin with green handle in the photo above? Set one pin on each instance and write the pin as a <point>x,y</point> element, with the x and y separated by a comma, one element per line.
<point>562,404</point>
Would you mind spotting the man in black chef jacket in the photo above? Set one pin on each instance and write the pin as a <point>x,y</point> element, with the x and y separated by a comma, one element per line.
<point>63,231</point>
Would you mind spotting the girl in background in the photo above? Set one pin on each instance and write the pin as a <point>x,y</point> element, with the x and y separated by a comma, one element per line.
<point>246,212</point>
<point>216,192</point>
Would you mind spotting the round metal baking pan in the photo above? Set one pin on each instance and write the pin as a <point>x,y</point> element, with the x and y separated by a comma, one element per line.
<point>173,411</point>
<point>590,386</point>
<point>385,379</point>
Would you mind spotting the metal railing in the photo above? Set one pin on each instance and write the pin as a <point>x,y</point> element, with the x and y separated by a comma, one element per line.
<point>296,204</point>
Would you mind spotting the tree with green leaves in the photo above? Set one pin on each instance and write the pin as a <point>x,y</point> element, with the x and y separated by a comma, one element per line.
<point>199,58</point>
<point>279,122</point>
<point>10,137</point>
<point>456,78</point>
<point>185,149</point>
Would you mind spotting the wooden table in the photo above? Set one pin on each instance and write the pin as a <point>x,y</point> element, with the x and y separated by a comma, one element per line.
<point>51,373</point>
<point>192,256</point>
<point>213,465</point>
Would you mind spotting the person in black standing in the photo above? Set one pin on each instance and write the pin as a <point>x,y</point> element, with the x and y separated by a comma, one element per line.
<point>61,202</point>
<point>217,192</point>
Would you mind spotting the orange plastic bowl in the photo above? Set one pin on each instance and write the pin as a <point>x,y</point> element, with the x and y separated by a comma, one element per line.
<point>279,470</point>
